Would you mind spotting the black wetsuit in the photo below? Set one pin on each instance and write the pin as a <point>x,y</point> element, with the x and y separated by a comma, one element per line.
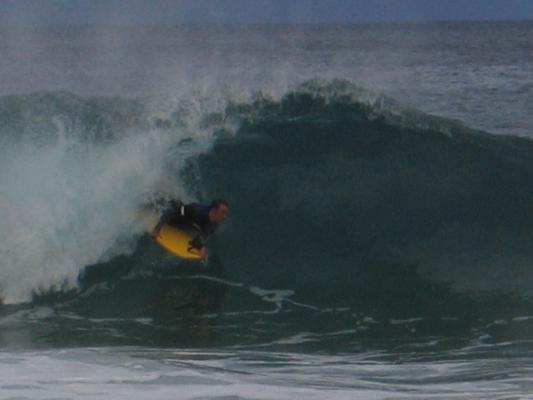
<point>190,217</point>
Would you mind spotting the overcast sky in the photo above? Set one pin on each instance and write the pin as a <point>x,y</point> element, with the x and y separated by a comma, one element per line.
<point>39,12</point>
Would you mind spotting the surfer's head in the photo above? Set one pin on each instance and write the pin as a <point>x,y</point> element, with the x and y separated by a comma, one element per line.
<point>218,210</point>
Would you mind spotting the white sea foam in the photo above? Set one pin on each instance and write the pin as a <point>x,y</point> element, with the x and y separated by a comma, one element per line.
<point>69,203</point>
<point>168,374</point>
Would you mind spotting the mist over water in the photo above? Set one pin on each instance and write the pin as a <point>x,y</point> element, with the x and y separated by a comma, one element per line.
<point>458,70</point>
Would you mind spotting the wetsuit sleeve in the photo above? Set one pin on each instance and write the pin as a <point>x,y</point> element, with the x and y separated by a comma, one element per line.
<point>172,212</point>
<point>198,216</point>
<point>198,241</point>
<point>190,214</point>
<point>181,216</point>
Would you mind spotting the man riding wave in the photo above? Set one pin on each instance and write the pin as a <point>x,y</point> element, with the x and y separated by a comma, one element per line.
<point>203,219</point>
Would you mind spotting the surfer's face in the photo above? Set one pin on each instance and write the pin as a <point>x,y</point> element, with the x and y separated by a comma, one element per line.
<point>219,213</point>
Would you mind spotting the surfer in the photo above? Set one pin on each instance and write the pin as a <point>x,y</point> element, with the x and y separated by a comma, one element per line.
<point>200,218</point>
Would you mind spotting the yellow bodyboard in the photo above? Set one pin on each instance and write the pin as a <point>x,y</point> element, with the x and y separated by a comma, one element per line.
<point>174,240</point>
<point>177,242</point>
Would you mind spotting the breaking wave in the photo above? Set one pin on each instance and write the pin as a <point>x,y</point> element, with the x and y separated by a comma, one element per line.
<point>339,198</point>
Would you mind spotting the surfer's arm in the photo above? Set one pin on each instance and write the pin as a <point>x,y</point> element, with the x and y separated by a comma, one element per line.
<point>203,253</point>
<point>199,242</point>
<point>162,221</point>
<point>174,215</point>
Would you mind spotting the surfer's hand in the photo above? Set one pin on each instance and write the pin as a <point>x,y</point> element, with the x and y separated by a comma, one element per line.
<point>203,253</point>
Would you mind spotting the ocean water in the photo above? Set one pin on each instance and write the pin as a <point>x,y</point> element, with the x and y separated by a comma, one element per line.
<point>380,179</point>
